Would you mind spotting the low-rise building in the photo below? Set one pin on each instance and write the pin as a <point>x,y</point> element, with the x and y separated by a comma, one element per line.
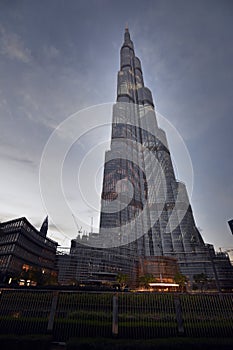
<point>25,249</point>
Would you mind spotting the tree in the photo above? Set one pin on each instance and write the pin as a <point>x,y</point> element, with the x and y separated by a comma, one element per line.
<point>25,275</point>
<point>36,275</point>
<point>49,279</point>
<point>39,276</point>
<point>201,280</point>
<point>181,280</point>
<point>73,282</point>
<point>122,280</point>
<point>146,279</point>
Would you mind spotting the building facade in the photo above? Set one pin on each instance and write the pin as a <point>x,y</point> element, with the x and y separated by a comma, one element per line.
<point>142,201</point>
<point>91,265</point>
<point>23,248</point>
<point>146,220</point>
<point>163,268</point>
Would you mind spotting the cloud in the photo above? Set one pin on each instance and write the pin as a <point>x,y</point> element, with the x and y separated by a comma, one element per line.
<point>11,153</point>
<point>10,215</point>
<point>50,51</point>
<point>34,111</point>
<point>22,160</point>
<point>13,47</point>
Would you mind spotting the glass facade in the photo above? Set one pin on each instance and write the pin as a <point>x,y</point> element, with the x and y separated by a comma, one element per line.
<point>22,244</point>
<point>146,221</point>
<point>141,198</point>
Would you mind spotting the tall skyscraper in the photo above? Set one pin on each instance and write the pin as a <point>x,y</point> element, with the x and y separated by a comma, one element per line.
<point>146,221</point>
<point>143,205</point>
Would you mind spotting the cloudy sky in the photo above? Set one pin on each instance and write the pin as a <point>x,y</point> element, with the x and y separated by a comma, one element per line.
<point>58,57</point>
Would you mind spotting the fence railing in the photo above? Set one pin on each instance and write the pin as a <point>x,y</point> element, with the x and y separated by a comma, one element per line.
<point>125,315</point>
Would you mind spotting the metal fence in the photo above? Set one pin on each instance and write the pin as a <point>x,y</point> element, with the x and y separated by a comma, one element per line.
<point>126,315</point>
<point>207,315</point>
<point>24,312</point>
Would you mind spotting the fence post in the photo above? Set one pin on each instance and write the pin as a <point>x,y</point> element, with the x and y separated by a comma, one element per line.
<point>52,312</point>
<point>115,316</point>
<point>179,318</point>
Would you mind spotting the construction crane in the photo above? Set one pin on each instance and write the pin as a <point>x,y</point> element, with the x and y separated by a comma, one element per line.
<point>225,250</point>
<point>79,228</point>
<point>228,251</point>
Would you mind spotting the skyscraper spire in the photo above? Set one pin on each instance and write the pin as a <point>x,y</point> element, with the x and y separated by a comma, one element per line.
<point>127,34</point>
<point>44,227</point>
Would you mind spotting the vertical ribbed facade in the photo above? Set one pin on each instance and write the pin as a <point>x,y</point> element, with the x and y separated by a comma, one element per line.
<point>143,204</point>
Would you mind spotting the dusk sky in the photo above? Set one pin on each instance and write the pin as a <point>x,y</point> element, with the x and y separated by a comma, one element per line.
<point>58,57</point>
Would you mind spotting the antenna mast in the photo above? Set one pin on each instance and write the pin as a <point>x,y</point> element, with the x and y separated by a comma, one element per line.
<point>92,221</point>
